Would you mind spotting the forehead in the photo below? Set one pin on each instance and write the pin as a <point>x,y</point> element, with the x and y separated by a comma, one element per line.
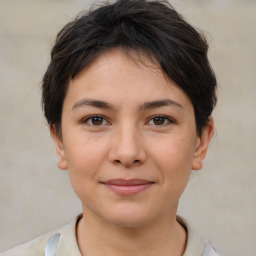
<point>121,60</point>
<point>123,78</point>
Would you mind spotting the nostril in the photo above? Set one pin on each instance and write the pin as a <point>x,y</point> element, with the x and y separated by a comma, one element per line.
<point>127,163</point>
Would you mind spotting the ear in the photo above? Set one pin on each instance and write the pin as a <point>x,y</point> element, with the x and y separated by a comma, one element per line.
<point>62,163</point>
<point>202,145</point>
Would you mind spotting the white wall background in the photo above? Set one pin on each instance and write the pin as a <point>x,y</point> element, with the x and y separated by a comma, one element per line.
<point>35,197</point>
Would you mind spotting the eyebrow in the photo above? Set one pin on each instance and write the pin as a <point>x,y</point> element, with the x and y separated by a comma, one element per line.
<point>160,103</point>
<point>92,103</point>
<point>145,106</point>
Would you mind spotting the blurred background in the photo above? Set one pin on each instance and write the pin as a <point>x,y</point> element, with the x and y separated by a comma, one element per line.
<point>35,197</point>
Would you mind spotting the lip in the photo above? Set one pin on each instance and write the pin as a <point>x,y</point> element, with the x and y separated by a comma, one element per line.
<point>127,187</point>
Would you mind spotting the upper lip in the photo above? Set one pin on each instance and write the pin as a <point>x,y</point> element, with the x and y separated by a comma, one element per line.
<point>127,182</point>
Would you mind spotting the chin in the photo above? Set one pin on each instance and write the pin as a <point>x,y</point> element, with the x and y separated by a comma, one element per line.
<point>129,222</point>
<point>129,218</point>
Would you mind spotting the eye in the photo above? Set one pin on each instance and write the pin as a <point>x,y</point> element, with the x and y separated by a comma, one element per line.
<point>95,121</point>
<point>160,120</point>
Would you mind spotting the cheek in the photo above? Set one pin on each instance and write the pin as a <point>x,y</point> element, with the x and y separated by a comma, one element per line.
<point>173,157</point>
<point>84,157</point>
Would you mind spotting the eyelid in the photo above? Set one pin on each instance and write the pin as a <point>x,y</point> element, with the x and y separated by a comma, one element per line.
<point>170,120</point>
<point>85,120</point>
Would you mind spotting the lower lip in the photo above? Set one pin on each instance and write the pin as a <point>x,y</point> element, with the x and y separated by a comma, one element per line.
<point>128,190</point>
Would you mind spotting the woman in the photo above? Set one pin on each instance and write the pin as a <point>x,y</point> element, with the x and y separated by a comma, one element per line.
<point>128,96</point>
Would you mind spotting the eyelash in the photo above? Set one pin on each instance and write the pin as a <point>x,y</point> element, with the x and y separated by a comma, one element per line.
<point>86,120</point>
<point>166,118</point>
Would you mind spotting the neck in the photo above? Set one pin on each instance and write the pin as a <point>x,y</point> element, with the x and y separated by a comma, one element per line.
<point>97,237</point>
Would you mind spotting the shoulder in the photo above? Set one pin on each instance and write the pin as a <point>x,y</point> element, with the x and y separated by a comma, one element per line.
<point>210,251</point>
<point>35,247</point>
<point>196,244</point>
<point>61,241</point>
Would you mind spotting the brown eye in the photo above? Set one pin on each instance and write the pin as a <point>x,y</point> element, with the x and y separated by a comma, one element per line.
<point>159,120</point>
<point>95,121</point>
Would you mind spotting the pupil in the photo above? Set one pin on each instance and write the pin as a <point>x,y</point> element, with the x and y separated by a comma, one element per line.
<point>97,120</point>
<point>158,120</point>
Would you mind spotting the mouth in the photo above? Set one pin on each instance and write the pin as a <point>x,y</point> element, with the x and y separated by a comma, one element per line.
<point>127,187</point>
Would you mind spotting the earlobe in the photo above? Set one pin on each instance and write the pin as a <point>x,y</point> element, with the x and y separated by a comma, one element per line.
<point>62,163</point>
<point>202,145</point>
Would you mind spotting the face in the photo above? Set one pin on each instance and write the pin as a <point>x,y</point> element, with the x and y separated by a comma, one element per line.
<point>129,140</point>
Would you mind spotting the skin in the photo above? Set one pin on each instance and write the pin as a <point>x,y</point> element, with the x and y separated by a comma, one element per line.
<point>130,139</point>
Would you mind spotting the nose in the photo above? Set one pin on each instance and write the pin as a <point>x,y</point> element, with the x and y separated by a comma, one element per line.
<point>127,147</point>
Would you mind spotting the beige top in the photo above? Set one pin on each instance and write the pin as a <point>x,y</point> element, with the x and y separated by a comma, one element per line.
<point>65,243</point>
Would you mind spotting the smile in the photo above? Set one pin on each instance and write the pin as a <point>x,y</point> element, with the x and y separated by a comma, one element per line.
<point>127,187</point>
